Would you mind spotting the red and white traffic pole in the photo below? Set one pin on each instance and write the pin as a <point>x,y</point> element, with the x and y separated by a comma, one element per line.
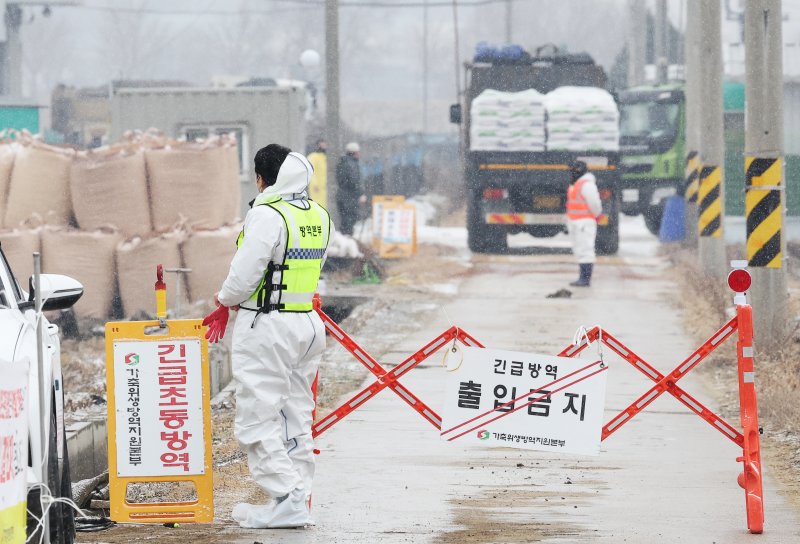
<point>750,479</point>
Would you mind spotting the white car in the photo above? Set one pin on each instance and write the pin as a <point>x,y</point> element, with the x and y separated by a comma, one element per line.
<point>18,345</point>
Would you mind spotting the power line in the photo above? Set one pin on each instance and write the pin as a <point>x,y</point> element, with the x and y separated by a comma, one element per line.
<point>298,5</point>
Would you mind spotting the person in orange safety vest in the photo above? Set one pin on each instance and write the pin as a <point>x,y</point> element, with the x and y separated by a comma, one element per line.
<point>583,210</point>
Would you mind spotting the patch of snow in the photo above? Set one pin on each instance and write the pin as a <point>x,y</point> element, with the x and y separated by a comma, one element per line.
<point>341,245</point>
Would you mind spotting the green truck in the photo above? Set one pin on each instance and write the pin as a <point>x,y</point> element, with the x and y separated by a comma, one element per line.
<point>653,147</point>
<point>652,143</point>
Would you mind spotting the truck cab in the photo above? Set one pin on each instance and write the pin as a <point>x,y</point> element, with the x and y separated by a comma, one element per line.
<point>652,124</point>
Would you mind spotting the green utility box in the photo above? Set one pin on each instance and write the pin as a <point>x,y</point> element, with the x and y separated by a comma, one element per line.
<point>19,114</point>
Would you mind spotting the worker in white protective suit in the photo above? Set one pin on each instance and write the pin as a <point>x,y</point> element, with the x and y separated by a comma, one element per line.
<point>584,209</point>
<point>278,338</point>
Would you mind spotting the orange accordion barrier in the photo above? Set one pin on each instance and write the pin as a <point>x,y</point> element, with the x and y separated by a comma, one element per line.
<point>746,437</point>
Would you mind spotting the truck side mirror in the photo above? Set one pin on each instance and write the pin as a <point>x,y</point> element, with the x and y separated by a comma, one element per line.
<point>455,113</point>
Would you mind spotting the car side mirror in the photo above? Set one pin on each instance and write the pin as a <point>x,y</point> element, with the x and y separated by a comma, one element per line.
<point>455,114</point>
<point>58,292</point>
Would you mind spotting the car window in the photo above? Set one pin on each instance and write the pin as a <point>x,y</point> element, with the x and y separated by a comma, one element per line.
<point>8,284</point>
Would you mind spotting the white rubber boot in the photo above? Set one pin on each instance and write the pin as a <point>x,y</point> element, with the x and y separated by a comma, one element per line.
<point>291,512</point>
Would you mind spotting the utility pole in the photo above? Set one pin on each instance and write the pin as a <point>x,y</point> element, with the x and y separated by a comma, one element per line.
<point>11,51</point>
<point>710,196</point>
<point>332,123</point>
<point>11,42</point>
<point>660,39</point>
<point>424,87</point>
<point>637,32</point>
<point>509,18</point>
<point>694,78</point>
<point>765,199</point>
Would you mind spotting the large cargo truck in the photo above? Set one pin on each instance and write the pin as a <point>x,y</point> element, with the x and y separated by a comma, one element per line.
<point>525,191</point>
<point>652,127</point>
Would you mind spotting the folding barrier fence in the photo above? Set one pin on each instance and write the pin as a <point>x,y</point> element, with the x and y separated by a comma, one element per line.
<point>742,324</point>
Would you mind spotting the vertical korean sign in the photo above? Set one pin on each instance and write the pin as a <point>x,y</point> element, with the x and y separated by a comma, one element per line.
<point>159,418</point>
<point>158,392</point>
<point>398,231</point>
<point>525,400</point>
<point>13,450</point>
<point>378,203</point>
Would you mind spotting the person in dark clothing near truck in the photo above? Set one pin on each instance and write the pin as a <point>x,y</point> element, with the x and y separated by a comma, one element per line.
<point>349,192</point>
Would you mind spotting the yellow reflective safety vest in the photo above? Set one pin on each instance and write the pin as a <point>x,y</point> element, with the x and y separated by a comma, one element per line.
<point>295,279</point>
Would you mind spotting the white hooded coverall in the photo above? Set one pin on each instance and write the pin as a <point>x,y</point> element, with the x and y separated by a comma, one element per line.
<point>582,232</point>
<point>276,355</point>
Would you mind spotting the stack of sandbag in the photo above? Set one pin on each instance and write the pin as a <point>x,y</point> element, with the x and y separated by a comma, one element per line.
<point>137,260</point>
<point>208,254</point>
<point>581,119</point>
<point>39,184</point>
<point>109,187</point>
<point>193,182</point>
<point>18,247</point>
<point>7,153</point>
<point>89,257</point>
<point>507,121</point>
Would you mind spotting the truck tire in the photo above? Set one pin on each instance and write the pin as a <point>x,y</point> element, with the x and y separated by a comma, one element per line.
<point>652,218</point>
<point>607,241</point>
<point>483,238</point>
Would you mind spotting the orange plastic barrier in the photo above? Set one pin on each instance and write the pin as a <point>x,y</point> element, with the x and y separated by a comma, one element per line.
<point>747,439</point>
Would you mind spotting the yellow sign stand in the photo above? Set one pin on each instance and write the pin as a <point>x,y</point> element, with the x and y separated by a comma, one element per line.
<point>398,231</point>
<point>378,204</point>
<point>159,417</point>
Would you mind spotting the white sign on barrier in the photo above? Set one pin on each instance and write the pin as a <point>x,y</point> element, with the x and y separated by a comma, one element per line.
<point>13,450</point>
<point>500,398</point>
<point>158,391</point>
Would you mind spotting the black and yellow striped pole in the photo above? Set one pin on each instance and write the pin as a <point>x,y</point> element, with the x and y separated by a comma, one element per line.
<point>691,176</point>
<point>709,202</point>
<point>711,146</point>
<point>762,205</point>
<point>765,198</point>
<point>690,184</point>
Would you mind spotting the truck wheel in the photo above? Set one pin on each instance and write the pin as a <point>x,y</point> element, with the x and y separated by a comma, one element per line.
<point>483,238</point>
<point>607,241</point>
<point>652,218</point>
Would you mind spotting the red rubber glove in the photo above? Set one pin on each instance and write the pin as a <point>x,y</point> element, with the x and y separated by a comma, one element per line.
<point>216,322</point>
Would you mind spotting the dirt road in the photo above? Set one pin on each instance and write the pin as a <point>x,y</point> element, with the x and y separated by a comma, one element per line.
<point>385,476</point>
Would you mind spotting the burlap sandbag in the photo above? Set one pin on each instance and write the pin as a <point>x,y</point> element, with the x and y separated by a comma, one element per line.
<point>231,183</point>
<point>18,246</point>
<point>110,188</point>
<point>89,258</point>
<point>39,185</point>
<point>209,253</point>
<point>136,271</point>
<point>188,180</point>
<point>7,153</point>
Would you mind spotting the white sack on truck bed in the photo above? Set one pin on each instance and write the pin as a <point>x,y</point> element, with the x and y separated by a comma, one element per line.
<point>109,187</point>
<point>7,153</point>
<point>89,258</point>
<point>581,119</point>
<point>192,181</point>
<point>18,246</point>
<point>506,121</point>
<point>136,270</point>
<point>209,253</point>
<point>39,184</point>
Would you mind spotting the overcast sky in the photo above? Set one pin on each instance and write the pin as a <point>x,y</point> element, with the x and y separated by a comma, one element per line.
<point>381,47</point>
